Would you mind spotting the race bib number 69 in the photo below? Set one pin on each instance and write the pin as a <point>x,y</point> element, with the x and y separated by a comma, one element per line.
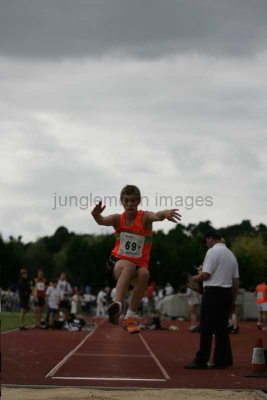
<point>131,245</point>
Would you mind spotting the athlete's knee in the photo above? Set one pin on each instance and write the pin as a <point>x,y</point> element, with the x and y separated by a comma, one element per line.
<point>124,266</point>
<point>129,269</point>
<point>118,270</point>
<point>143,275</point>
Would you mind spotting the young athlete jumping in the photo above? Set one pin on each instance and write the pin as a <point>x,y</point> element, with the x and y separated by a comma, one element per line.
<point>129,259</point>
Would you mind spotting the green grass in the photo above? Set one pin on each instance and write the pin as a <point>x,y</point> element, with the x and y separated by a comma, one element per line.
<point>10,320</point>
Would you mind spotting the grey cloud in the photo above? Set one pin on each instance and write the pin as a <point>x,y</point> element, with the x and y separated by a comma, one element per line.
<point>142,28</point>
<point>93,126</point>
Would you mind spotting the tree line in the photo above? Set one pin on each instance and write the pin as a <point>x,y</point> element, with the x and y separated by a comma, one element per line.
<point>174,254</point>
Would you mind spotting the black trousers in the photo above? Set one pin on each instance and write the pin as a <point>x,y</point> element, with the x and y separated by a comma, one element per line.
<point>215,309</point>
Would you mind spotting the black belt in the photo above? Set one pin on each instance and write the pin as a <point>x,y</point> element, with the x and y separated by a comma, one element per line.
<point>217,288</point>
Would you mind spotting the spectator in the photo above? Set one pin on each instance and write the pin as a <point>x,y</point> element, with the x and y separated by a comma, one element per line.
<point>144,306</point>
<point>74,303</point>
<point>10,301</point>
<point>261,293</point>
<point>168,290</point>
<point>112,294</point>
<point>39,290</point>
<point>193,301</point>
<point>65,292</point>
<point>88,301</point>
<point>24,288</point>
<point>53,299</point>
<point>101,302</point>
<point>150,290</point>
<point>233,324</point>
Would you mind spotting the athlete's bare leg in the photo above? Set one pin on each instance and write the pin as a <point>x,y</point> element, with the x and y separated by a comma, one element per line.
<point>124,272</point>
<point>140,285</point>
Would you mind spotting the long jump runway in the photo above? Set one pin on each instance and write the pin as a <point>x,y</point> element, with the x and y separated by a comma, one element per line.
<point>111,357</point>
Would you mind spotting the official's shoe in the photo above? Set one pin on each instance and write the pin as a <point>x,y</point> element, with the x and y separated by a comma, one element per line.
<point>114,312</point>
<point>196,365</point>
<point>218,366</point>
<point>233,329</point>
<point>131,325</point>
<point>213,365</point>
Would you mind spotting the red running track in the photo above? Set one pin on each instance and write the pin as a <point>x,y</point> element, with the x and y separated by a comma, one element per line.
<point>110,357</point>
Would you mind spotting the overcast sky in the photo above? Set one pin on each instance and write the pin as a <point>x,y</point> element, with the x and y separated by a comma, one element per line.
<point>168,95</point>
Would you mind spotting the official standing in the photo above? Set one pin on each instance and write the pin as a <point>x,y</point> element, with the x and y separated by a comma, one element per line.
<point>220,279</point>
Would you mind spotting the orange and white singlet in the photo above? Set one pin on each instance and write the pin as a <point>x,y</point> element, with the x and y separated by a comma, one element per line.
<point>133,243</point>
<point>261,290</point>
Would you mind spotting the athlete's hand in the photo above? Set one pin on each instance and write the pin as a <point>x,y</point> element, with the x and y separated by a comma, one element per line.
<point>98,209</point>
<point>172,215</point>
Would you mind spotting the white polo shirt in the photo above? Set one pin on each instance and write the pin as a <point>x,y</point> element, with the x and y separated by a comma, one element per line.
<point>222,265</point>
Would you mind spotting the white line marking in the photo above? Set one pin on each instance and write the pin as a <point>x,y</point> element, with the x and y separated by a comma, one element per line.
<point>163,370</point>
<point>111,355</point>
<point>17,329</point>
<point>62,362</point>
<point>108,379</point>
<point>11,330</point>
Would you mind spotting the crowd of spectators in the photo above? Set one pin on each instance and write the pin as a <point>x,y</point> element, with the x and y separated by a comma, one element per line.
<point>48,299</point>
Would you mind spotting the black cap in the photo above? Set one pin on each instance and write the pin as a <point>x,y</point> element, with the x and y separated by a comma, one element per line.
<point>212,233</point>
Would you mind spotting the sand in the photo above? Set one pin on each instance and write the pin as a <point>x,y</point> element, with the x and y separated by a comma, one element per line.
<point>110,394</point>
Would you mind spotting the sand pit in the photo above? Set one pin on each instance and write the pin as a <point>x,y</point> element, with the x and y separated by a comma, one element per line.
<point>146,394</point>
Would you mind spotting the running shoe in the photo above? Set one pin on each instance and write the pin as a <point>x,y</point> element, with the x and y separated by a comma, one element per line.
<point>131,325</point>
<point>114,312</point>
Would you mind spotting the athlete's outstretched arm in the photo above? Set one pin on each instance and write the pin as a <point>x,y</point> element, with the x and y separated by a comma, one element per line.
<point>110,220</point>
<point>171,215</point>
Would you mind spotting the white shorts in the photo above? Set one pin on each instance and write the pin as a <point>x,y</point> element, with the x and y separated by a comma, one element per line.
<point>192,302</point>
<point>262,307</point>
